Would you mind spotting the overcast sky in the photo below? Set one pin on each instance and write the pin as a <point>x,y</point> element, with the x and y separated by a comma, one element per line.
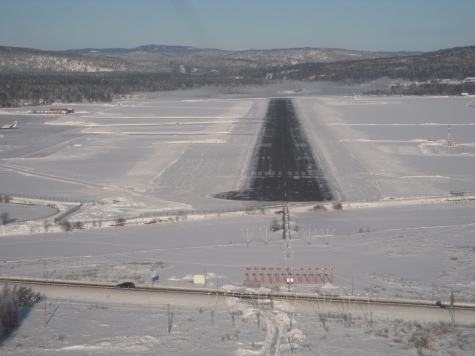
<point>372,25</point>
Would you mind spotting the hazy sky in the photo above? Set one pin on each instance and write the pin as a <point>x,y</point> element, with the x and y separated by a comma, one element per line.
<point>373,25</point>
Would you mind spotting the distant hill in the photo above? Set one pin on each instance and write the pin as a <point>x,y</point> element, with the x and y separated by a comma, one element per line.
<point>30,76</point>
<point>169,59</point>
<point>32,60</point>
<point>453,63</point>
<point>273,57</point>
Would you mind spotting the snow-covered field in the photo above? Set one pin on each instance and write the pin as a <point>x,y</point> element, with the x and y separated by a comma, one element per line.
<point>169,152</point>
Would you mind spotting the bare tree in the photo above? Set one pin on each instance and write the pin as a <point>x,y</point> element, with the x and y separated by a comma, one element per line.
<point>78,225</point>
<point>66,225</point>
<point>46,225</point>
<point>275,226</point>
<point>4,217</point>
<point>319,208</point>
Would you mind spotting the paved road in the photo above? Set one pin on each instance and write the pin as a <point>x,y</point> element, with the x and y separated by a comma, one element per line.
<point>139,298</point>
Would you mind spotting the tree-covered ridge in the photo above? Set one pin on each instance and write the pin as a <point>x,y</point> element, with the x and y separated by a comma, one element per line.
<point>455,63</point>
<point>31,60</point>
<point>153,58</point>
<point>45,88</point>
<point>71,77</point>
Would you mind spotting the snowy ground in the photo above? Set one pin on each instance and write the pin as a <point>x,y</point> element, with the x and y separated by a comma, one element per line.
<point>172,152</point>
<point>126,322</point>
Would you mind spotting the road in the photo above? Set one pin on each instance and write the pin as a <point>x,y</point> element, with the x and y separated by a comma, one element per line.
<point>184,301</point>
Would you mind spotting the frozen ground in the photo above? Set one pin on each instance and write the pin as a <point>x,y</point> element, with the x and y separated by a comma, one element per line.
<point>150,154</point>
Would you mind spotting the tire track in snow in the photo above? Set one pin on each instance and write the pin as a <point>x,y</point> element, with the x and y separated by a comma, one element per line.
<point>272,345</point>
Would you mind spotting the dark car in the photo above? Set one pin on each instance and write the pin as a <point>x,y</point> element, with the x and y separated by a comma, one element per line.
<point>126,285</point>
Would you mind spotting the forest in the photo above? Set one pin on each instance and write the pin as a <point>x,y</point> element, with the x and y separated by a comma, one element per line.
<point>45,88</point>
<point>427,89</point>
<point>455,63</point>
<point>109,78</point>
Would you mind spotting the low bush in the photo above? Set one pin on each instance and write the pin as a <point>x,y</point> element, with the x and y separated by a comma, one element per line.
<point>337,206</point>
<point>66,225</point>
<point>4,217</point>
<point>78,225</point>
<point>275,226</point>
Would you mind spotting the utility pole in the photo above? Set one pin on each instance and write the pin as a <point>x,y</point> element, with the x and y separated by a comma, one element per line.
<point>452,310</point>
<point>286,222</point>
<point>169,320</point>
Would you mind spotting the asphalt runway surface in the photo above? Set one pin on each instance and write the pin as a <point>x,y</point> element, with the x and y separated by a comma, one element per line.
<point>283,167</point>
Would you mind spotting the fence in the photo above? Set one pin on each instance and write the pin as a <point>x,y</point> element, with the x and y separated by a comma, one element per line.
<point>36,217</point>
<point>183,214</point>
<point>254,210</point>
<point>47,197</point>
<point>454,193</point>
<point>41,217</point>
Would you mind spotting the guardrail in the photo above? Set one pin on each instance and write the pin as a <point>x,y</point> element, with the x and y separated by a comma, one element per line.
<point>66,213</point>
<point>257,296</point>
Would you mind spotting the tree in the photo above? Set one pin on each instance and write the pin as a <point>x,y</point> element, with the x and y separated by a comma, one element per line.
<point>275,226</point>
<point>8,310</point>
<point>78,225</point>
<point>4,217</point>
<point>26,297</point>
<point>66,225</point>
<point>46,225</point>
<point>10,301</point>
